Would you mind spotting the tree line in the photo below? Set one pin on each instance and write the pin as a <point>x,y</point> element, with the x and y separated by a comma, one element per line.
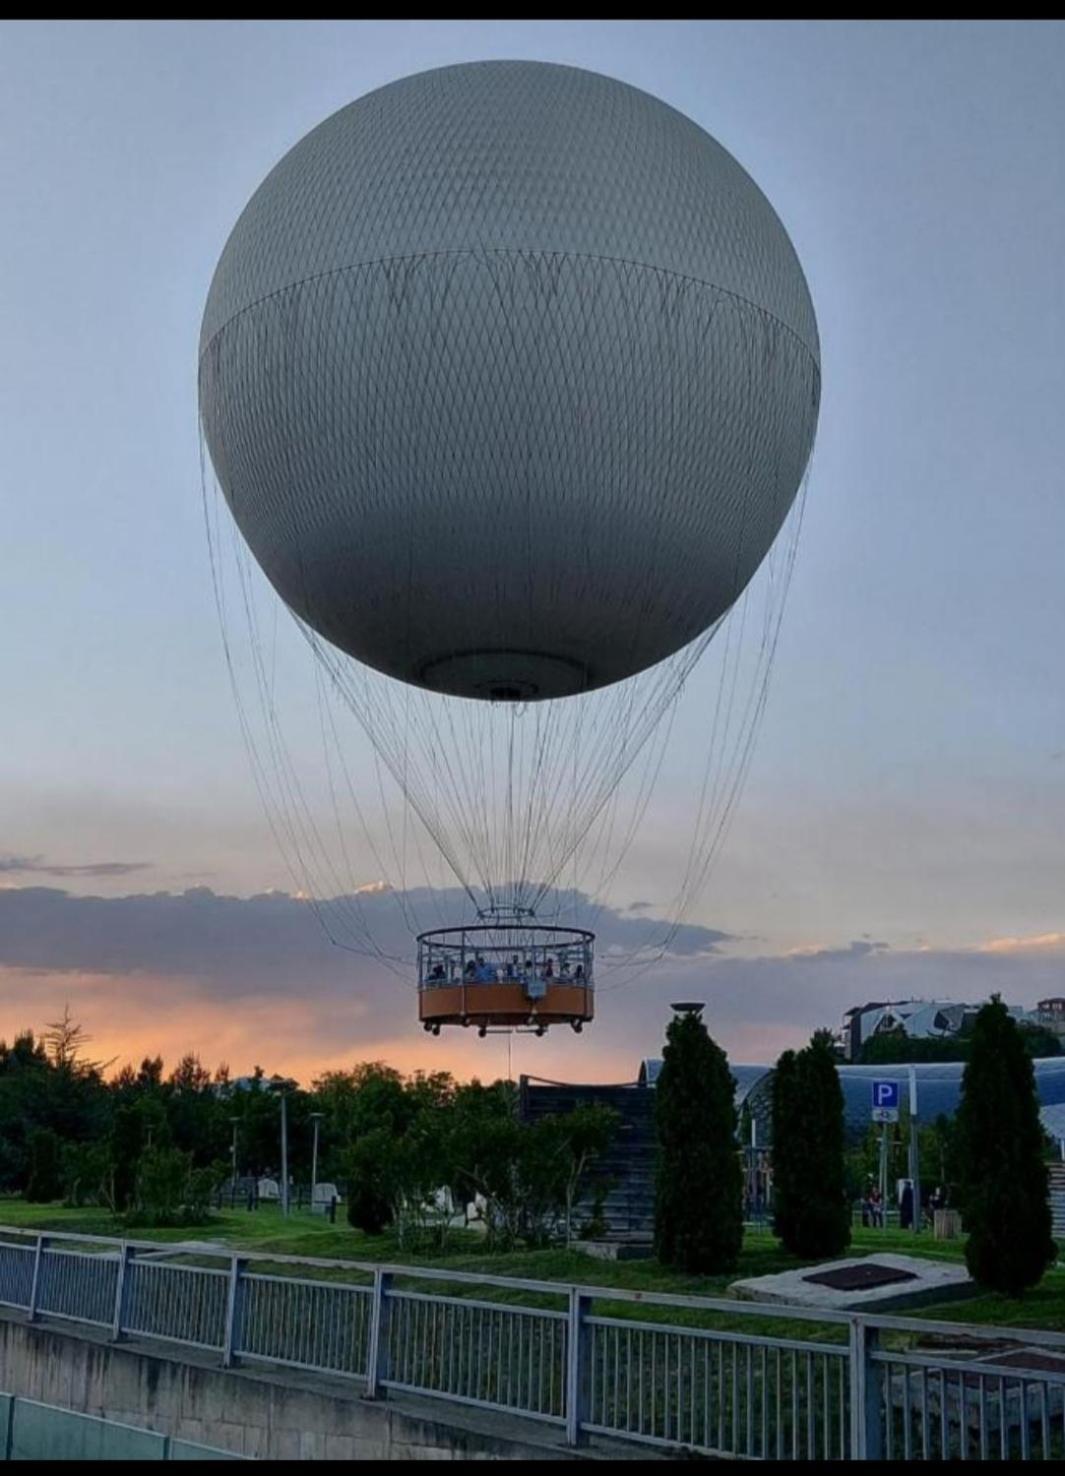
<point>154,1147</point>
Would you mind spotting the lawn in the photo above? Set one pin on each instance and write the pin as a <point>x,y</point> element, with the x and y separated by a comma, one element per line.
<point>265,1230</point>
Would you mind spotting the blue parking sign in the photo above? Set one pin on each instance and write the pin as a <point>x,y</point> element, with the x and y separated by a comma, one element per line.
<point>886,1094</point>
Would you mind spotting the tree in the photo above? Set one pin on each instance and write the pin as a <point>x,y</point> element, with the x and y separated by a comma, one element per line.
<point>891,1047</point>
<point>379,1109</point>
<point>42,1086</point>
<point>44,1183</point>
<point>65,1040</point>
<point>1039,1040</point>
<point>895,1046</point>
<point>811,1211</point>
<point>999,1159</point>
<point>88,1174</point>
<point>369,1170</point>
<point>699,1179</point>
<point>587,1133</point>
<point>139,1126</point>
<point>162,1175</point>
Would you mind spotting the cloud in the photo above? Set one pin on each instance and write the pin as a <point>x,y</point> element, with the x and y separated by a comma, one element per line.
<point>24,865</point>
<point>858,948</point>
<point>1039,943</point>
<point>257,945</point>
<point>256,980</point>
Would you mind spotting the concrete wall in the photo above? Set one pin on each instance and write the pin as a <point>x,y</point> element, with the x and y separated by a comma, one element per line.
<point>249,1411</point>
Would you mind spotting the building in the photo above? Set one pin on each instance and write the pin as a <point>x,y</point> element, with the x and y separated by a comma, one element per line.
<point>920,1019</point>
<point>1050,1013</point>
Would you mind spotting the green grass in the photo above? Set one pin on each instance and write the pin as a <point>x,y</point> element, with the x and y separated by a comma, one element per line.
<point>265,1230</point>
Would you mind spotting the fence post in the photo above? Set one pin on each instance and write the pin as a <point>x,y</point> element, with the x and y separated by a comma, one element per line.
<point>7,1417</point>
<point>377,1356</point>
<point>234,1311</point>
<point>125,1255</point>
<point>38,1269</point>
<point>578,1366</point>
<point>866,1381</point>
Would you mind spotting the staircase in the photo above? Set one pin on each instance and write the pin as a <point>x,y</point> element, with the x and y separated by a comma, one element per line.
<point>1057,1201</point>
<point>629,1165</point>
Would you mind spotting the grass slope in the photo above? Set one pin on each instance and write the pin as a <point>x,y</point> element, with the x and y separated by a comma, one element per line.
<point>265,1231</point>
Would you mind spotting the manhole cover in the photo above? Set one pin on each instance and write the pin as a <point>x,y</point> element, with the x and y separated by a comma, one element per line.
<point>861,1277</point>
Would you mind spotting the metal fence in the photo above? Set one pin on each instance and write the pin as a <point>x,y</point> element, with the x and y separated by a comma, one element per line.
<point>499,1356</point>
<point>759,1397</point>
<point>713,1376</point>
<point>999,1407</point>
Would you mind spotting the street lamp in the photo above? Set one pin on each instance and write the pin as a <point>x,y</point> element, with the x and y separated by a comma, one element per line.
<point>233,1152</point>
<point>915,1153</point>
<point>282,1085</point>
<point>316,1118</point>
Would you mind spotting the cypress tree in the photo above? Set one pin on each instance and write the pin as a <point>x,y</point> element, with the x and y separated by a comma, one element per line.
<point>788,1160</point>
<point>1002,1175</point>
<point>699,1180</point>
<point>811,1214</point>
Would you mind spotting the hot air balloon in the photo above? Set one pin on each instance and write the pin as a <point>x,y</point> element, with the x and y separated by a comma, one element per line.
<point>509,375</point>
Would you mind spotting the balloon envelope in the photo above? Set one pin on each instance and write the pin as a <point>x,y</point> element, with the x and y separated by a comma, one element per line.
<point>510,375</point>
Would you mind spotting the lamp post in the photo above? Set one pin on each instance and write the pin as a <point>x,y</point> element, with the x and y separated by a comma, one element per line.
<point>284,1152</point>
<point>915,1157</point>
<point>316,1118</point>
<point>282,1085</point>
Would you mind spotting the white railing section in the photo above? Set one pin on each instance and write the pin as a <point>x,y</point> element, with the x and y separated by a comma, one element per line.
<point>854,1387</point>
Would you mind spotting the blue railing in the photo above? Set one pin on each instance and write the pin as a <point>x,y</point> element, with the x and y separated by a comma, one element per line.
<point>707,1380</point>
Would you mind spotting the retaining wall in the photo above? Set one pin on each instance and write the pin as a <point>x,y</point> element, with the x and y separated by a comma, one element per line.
<point>251,1412</point>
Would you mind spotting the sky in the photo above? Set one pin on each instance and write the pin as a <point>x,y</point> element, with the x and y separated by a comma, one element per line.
<point>902,828</point>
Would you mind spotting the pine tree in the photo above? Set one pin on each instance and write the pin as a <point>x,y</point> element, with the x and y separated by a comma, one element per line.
<point>1002,1175</point>
<point>699,1180</point>
<point>811,1211</point>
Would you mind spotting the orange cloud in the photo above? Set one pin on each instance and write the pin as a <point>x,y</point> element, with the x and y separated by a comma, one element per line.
<point>1038,943</point>
<point>138,1015</point>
